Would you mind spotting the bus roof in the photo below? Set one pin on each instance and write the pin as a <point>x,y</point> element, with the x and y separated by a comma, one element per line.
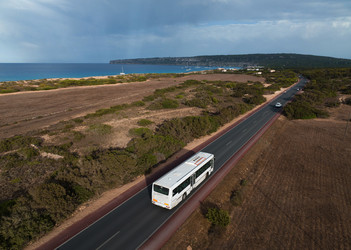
<point>176,174</point>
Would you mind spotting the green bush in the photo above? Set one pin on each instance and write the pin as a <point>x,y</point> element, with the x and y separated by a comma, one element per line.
<point>227,114</point>
<point>255,100</point>
<point>82,194</point>
<point>144,122</point>
<point>243,182</point>
<point>111,110</point>
<point>332,102</point>
<point>77,136</point>
<point>197,102</point>
<point>145,163</point>
<point>24,225</point>
<point>302,110</point>
<point>100,129</point>
<point>218,217</point>
<point>28,152</point>
<point>149,98</point>
<point>188,128</point>
<point>5,207</point>
<point>53,198</point>
<point>236,198</point>
<point>18,142</point>
<point>169,104</point>
<point>164,103</point>
<point>140,132</point>
<point>78,120</point>
<point>138,104</point>
<point>155,144</point>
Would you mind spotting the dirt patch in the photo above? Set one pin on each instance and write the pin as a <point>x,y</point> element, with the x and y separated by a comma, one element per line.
<point>27,111</point>
<point>297,194</point>
<point>121,126</point>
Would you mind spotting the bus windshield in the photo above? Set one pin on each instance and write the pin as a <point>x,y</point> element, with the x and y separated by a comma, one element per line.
<point>160,189</point>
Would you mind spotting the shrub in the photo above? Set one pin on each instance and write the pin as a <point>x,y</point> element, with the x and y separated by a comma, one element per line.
<point>236,198</point>
<point>82,194</point>
<point>149,98</point>
<point>164,103</point>
<point>24,225</point>
<point>227,114</point>
<point>5,207</point>
<point>188,128</point>
<point>169,104</point>
<point>302,110</point>
<point>78,120</point>
<point>332,103</point>
<point>53,198</point>
<point>29,152</point>
<point>255,99</point>
<point>144,122</point>
<point>138,104</point>
<point>18,142</point>
<point>348,101</point>
<point>110,110</point>
<point>100,129</point>
<point>140,132</point>
<point>77,136</point>
<point>218,217</point>
<point>197,102</point>
<point>145,163</point>
<point>243,182</point>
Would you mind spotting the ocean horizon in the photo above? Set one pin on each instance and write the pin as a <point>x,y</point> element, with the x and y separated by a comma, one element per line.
<point>33,71</point>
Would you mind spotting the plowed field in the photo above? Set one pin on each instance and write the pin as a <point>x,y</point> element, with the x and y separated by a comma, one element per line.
<point>298,193</point>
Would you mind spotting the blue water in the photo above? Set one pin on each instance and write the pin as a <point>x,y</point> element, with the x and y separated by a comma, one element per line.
<point>30,71</point>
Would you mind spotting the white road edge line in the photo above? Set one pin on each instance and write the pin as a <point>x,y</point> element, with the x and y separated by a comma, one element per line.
<point>107,241</point>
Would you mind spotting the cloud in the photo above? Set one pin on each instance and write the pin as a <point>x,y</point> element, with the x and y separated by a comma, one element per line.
<point>263,36</point>
<point>80,30</point>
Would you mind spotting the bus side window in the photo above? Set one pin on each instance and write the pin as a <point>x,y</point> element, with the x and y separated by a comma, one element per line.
<point>175,191</point>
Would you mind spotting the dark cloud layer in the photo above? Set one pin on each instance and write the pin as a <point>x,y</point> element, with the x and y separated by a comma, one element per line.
<point>97,31</point>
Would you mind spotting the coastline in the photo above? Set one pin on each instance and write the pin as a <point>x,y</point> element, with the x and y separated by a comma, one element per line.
<point>38,71</point>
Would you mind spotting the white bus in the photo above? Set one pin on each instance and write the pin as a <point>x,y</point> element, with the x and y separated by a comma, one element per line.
<point>173,187</point>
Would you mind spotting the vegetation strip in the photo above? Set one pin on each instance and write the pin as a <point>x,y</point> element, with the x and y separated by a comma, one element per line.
<point>40,192</point>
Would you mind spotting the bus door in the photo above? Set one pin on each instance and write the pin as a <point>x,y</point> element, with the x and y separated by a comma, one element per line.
<point>193,179</point>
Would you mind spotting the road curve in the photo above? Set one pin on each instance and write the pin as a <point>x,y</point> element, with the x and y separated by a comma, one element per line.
<point>131,224</point>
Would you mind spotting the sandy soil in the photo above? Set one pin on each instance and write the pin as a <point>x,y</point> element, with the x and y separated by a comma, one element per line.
<point>297,196</point>
<point>27,111</point>
<point>106,197</point>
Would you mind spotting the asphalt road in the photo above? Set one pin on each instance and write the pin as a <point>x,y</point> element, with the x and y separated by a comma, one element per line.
<point>131,223</point>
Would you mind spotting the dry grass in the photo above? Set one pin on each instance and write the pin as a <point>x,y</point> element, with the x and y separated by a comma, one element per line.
<point>297,195</point>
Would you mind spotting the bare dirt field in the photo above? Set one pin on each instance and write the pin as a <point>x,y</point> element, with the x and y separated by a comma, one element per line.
<point>297,194</point>
<point>27,111</point>
<point>128,122</point>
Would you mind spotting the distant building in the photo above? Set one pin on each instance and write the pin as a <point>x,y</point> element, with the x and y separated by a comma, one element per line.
<point>272,70</point>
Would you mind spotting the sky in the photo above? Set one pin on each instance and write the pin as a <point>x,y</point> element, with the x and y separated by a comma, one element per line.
<point>97,31</point>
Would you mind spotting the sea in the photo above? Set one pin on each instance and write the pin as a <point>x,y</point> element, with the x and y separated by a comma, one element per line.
<point>31,71</point>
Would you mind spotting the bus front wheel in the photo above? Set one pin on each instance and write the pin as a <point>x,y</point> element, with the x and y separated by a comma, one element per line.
<point>184,196</point>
